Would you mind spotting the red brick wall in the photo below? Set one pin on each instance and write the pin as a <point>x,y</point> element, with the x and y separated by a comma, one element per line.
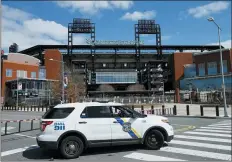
<point>14,67</point>
<point>53,68</point>
<point>180,59</point>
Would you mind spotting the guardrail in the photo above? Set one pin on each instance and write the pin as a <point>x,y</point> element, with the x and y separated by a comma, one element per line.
<point>19,126</point>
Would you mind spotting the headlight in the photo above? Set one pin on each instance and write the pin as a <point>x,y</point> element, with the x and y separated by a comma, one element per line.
<point>165,120</point>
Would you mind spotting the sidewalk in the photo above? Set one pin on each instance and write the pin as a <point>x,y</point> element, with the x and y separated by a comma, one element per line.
<point>194,110</point>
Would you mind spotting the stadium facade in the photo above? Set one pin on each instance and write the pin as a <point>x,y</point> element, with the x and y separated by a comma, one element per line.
<point>121,65</point>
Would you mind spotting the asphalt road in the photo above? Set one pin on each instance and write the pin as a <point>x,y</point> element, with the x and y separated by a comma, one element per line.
<point>195,140</point>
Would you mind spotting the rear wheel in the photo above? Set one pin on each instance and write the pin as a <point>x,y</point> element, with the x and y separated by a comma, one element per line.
<point>154,140</point>
<point>71,147</point>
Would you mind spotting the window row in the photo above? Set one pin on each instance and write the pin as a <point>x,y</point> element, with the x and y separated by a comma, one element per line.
<point>116,77</point>
<point>19,73</point>
<point>30,85</point>
<point>94,112</point>
<point>212,68</point>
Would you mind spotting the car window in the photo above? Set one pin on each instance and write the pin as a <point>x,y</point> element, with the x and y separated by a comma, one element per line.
<point>96,112</point>
<point>119,112</point>
<point>58,113</point>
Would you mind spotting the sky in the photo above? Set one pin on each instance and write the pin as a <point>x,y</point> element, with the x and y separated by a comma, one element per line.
<point>29,23</point>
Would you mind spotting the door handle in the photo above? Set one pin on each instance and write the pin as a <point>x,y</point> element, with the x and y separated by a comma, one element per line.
<point>115,122</point>
<point>84,122</point>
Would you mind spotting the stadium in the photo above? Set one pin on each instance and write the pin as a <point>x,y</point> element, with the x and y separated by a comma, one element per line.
<point>126,67</point>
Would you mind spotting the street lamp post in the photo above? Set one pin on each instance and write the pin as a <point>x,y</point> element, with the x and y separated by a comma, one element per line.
<point>211,19</point>
<point>62,62</point>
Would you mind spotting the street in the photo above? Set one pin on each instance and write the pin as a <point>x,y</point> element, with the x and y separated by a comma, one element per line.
<point>195,140</point>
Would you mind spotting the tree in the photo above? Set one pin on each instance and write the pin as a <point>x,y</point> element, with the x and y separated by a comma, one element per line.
<point>75,88</point>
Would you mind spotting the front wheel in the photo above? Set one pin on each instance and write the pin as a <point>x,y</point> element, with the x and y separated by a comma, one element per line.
<point>154,140</point>
<point>71,147</point>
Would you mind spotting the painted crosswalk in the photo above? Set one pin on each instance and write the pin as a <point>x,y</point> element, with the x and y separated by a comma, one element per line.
<point>209,142</point>
<point>212,142</point>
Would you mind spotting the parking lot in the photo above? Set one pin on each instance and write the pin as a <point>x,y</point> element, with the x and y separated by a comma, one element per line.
<point>195,139</point>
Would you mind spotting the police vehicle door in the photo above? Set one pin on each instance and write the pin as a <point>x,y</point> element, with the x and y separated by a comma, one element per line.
<point>95,123</point>
<point>124,126</point>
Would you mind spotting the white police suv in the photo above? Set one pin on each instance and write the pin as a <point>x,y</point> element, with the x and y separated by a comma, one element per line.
<point>73,127</point>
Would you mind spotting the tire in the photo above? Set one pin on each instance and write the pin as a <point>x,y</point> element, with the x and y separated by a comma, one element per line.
<point>154,140</point>
<point>77,147</point>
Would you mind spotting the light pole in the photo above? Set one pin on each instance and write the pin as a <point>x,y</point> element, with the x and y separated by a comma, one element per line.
<point>17,85</point>
<point>62,82</point>
<point>211,19</point>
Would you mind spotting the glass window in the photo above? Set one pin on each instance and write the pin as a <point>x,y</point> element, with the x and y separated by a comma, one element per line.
<point>116,77</point>
<point>8,73</point>
<point>97,112</point>
<point>58,113</point>
<point>123,111</point>
<point>201,69</point>
<point>42,73</point>
<point>225,70</point>
<point>212,68</point>
<point>117,112</point>
<point>33,74</point>
<point>21,74</point>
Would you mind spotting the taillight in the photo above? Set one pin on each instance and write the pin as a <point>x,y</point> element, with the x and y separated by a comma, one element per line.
<point>44,124</point>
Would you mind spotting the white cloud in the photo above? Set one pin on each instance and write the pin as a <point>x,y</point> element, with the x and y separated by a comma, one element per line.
<point>225,44</point>
<point>206,10</point>
<point>122,4</point>
<point>26,30</point>
<point>15,14</point>
<point>136,15</point>
<point>93,7</point>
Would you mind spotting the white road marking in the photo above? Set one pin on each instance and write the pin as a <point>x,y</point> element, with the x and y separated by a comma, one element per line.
<point>18,150</point>
<point>220,126</point>
<point>209,134</point>
<point>198,144</point>
<point>203,138</point>
<point>228,124</point>
<point>23,135</point>
<point>216,131</point>
<point>216,128</point>
<point>147,157</point>
<point>199,153</point>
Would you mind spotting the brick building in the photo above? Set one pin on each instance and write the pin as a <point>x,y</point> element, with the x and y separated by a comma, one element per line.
<point>201,71</point>
<point>32,79</point>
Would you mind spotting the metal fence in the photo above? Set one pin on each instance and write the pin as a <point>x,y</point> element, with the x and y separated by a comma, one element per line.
<point>205,98</point>
<point>25,108</point>
<point>133,100</point>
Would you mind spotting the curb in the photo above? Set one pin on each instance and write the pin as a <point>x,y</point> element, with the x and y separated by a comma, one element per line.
<point>206,117</point>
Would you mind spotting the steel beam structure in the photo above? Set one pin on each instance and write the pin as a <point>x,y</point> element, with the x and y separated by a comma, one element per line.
<point>35,49</point>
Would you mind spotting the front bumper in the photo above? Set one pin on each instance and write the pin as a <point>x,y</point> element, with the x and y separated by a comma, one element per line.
<point>47,144</point>
<point>170,138</point>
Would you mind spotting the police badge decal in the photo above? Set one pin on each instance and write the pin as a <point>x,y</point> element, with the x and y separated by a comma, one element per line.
<point>126,127</point>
